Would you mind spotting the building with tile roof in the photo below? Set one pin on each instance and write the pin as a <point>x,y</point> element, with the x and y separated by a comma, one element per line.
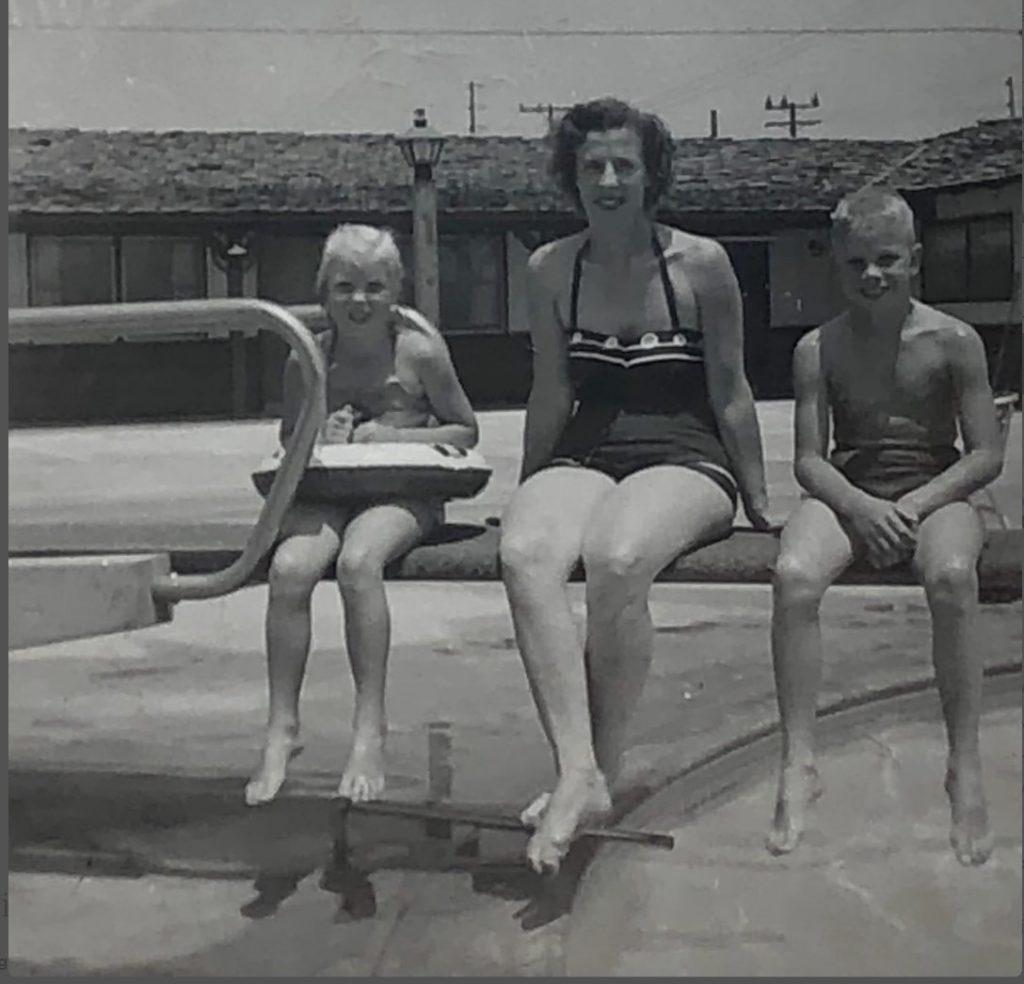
<point>100,216</point>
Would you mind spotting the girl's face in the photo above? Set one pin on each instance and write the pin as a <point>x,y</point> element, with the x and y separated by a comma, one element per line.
<point>360,292</point>
<point>610,174</point>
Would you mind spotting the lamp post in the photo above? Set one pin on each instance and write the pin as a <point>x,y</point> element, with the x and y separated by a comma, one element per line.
<point>233,253</point>
<point>421,146</point>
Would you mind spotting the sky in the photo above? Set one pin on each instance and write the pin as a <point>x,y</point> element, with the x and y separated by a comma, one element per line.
<point>365,65</point>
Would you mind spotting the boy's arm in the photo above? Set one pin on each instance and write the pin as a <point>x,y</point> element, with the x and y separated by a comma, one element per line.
<point>983,458</point>
<point>550,400</point>
<point>721,309</point>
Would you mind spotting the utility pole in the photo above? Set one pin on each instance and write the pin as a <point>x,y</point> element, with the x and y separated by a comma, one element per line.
<point>472,106</point>
<point>549,108</point>
<point>785,106</point>
<point>1011,102</point>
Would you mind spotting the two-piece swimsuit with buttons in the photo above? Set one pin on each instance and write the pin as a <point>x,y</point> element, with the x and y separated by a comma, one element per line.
<point>641,401</point>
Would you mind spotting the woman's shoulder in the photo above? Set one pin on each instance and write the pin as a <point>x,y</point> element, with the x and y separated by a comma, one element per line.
<point>689,247</point>
<point>557,255</point>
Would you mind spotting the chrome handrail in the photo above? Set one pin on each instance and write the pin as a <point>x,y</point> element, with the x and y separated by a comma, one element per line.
<point>168,319</point>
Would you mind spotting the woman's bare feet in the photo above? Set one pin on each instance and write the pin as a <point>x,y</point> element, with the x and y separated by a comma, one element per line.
<point>577,799</point>
<point>799,786</point>
<point>278,750</point>
<point>969,832</point>
<point>363,778</point>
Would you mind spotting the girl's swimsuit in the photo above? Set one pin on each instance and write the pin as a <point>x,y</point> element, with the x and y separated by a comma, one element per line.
<point>641,402</point>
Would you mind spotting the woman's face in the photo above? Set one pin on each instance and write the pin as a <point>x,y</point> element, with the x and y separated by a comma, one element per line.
<point>360,293</point>
<point>610,174</point>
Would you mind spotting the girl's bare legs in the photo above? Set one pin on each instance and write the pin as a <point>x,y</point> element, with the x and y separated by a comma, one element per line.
<point>814,551</point>
<point>298,564</point>
<point>372,538</point>
<point>541,541</point>
<point>948,545</point>
<point>636,531</point>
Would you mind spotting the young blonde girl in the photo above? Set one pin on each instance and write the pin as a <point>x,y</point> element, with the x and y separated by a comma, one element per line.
<point>390,379</point>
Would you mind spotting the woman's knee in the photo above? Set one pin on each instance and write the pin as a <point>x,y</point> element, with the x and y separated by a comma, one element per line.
<point>797,583</point>
<point>528,555</point>
<point>621,565</point>
<point>950,581</point>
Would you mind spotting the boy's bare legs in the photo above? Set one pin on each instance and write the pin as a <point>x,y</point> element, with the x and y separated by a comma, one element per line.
<point>813,552</point>
<point>298,564</point>
<point>636,530</point>
<point>949,543</point>
<point>542,537</point>
<point>372,538</point>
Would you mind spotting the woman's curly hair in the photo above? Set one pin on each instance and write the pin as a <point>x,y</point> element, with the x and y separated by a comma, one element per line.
<point>612,114</point>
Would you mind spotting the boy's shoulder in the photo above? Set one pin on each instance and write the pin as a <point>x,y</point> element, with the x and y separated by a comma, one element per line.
<point>945,328</point>
<point>829,332</point>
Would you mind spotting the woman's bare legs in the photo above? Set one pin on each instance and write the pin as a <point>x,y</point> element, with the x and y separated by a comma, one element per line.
<point>373,537</point>
<point>814,551</point>
<point>541,541</point>
<point>297,565</point>
<point>636,531</point>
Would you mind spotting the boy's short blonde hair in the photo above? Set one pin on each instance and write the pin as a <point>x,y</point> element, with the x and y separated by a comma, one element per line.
<point>866,210</point>
<point>354,243</point>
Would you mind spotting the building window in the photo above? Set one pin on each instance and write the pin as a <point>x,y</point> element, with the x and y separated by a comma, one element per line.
<point>162,268</point>
<point>71,270</point>
<point>108,269</point>
<point>472,275</point>
<point>968,260</point>
<point>287,268</point>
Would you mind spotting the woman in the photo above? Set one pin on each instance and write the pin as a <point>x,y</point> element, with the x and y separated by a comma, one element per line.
<point>641,434</point>
<point>390,379</point>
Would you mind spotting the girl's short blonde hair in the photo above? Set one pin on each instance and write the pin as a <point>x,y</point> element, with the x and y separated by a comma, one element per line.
<point>355,243</point>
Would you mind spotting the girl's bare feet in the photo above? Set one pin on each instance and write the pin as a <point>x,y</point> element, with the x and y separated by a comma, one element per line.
<point>280,748</point>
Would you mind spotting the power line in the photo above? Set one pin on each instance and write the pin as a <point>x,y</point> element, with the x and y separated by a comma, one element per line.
<point>508,32</point>
<point>790,108</point>
<point>548,108</point>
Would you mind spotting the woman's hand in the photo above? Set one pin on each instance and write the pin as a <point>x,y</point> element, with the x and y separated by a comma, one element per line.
<point>756,510</point>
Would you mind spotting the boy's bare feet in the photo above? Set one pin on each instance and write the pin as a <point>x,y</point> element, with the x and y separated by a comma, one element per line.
<point>577,799</point>
<point>969,833</point>
<point>799,786</point>
<point>278,750</point>
<point>363,778</point>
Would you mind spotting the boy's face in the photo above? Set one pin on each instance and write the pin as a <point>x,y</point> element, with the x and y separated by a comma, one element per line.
<point>610,174</point>
<point>360,292</point>
<point>876,265</point>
